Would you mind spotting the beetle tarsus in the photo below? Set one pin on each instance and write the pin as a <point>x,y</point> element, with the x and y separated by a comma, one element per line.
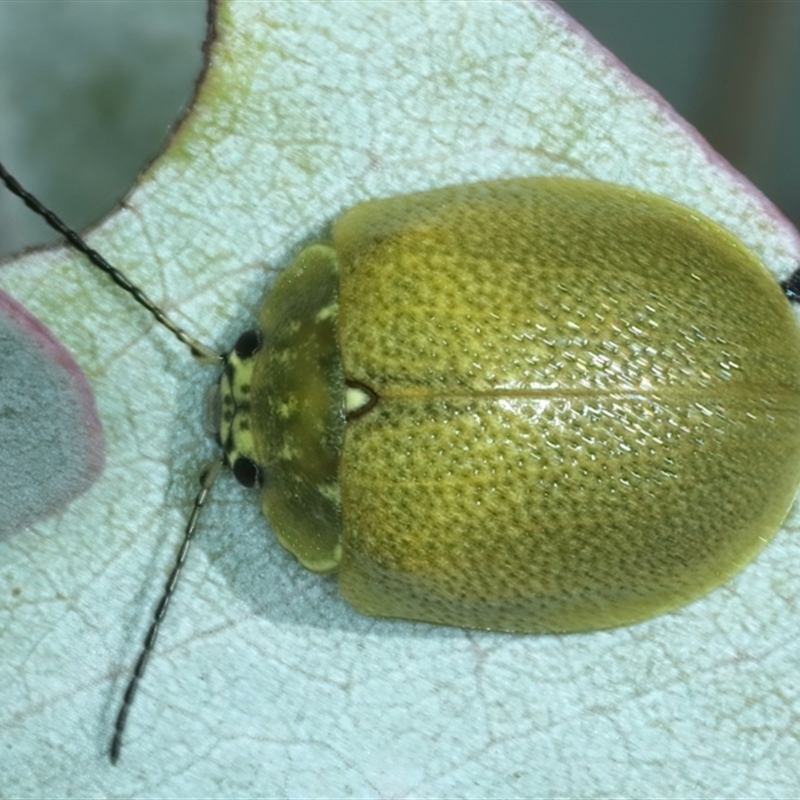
<point>791,286</point>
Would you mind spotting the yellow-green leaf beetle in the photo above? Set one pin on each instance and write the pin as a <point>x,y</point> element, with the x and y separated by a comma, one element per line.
<point>536,405</point>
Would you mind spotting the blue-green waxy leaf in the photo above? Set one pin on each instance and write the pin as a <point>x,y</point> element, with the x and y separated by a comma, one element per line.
<point>263,682</point>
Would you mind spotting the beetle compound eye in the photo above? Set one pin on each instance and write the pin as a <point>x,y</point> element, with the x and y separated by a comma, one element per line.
<point>247,472</point>
<point>249,343</point>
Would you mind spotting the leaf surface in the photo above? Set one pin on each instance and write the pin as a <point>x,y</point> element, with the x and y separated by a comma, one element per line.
<point>264,683</point>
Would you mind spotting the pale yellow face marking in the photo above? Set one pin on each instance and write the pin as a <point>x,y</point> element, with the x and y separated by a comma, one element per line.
<point>235,424</point>
<point>288,453</point>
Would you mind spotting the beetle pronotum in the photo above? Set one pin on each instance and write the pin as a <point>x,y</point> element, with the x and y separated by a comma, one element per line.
<point>534,405</point>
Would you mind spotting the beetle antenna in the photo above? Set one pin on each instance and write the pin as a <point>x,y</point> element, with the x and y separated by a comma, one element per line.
<point>207,478</point>
<point>202,353</point>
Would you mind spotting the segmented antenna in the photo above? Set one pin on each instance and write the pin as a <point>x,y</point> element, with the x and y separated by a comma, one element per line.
<point>202,353</point>
<point>207,478</point>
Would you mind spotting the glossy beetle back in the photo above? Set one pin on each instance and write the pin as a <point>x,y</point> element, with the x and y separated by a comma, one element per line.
<point>588,405</point>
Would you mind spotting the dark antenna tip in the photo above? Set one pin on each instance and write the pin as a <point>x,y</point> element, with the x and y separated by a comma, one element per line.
<point>207,478</point>
<point>210,471</point>
<point>202,353</point>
